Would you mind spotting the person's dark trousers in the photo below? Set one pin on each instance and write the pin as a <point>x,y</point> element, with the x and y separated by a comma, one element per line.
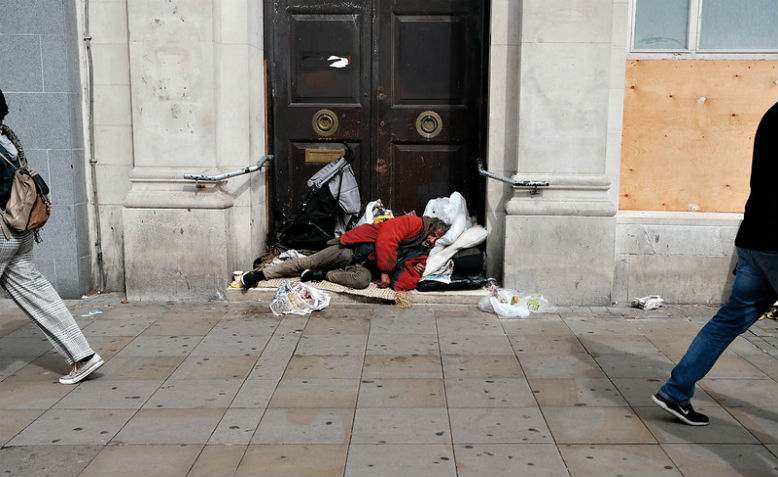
<point>754,291</point>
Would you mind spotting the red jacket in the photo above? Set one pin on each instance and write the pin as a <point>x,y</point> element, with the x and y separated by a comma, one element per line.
<point>387,236</point>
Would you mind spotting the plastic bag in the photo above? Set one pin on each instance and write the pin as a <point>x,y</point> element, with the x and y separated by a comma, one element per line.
<point>375,212</point>
<point>298,298</point>
<point>469,238</point>
<point>456,282</point>
<point>650,302</point>
<point>513,303</point>
<point>453,211</point>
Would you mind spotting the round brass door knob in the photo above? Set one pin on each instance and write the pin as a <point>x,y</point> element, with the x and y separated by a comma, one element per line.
<point>429,124</point>
<point>325,122</point>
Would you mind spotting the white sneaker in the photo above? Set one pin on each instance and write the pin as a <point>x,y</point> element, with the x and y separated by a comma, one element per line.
<point>83,369</point>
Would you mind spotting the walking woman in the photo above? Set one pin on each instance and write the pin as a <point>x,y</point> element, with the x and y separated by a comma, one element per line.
<point>29,289</point>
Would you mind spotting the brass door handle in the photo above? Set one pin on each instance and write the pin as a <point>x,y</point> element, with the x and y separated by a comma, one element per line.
<point>429,124</point>
<point>325,122</point>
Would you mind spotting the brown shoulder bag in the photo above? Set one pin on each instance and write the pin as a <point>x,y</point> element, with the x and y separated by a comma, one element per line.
<point>28,206</point>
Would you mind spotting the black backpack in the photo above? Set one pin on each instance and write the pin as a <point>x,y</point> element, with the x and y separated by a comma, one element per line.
<point>312,223</point>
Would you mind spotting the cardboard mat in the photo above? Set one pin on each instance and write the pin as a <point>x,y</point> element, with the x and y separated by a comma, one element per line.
<point>371,292</point>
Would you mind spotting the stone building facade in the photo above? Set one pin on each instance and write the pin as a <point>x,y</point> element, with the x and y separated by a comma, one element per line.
<point>180,87</point>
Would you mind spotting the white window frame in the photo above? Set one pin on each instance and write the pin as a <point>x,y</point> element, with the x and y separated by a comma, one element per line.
<point>692,42</point>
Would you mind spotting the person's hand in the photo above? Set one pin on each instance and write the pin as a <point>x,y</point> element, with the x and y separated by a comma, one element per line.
<point>384,280</point>
<point>419,267</point>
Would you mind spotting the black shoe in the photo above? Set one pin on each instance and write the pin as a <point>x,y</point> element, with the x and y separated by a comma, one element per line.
<point>685,414</point>
<point>250,279</point>
<point>313,275</point>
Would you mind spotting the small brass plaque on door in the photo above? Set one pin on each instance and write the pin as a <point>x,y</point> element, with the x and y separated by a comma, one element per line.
<point>323,155</point>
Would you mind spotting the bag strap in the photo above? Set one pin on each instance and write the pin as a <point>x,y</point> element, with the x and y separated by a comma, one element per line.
<point>9,161</point>
<point>4,129</point>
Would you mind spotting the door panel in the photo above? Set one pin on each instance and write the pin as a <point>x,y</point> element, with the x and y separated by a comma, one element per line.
<point>402,81</point>
<point>320,79</point>
<point>432,175</point>
<point>428,112</point>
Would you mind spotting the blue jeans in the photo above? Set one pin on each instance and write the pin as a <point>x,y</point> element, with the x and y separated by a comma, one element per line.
<point>754,291</point>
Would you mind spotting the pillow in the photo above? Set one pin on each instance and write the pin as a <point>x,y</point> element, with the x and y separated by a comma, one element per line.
<point>469,238</point>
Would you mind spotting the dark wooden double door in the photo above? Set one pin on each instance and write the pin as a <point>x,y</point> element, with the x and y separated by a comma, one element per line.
<point>401,81</point>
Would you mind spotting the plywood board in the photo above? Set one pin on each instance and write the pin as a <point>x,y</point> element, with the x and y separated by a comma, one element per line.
<point>689,130</point>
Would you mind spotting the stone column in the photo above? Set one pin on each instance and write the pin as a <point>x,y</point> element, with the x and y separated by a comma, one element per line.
<point>196,89</point>
<point>560,241</point>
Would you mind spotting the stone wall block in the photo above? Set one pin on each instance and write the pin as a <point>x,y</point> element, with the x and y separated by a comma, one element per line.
<point>62,177</point>
<point>54,63</point>
<point>233,23</point>
<point>40,17</point>
<point>20,56</point>
<point>112,183</point>
<point>112,105</point>
<point>233,118</point>
<point>113,145</point>
<point>681,279</point>
<point>569,260</point>
<point>563,108</point>
<point>505,22</point>
<point>567,21</point>
<point>108,21</point>
<point>112,234</point>
<point>675,240</point>
<point>163,22</point>
<point>41,121</point>
<point>191,244</point>
<point>111,63</point>
<point>173,103</point>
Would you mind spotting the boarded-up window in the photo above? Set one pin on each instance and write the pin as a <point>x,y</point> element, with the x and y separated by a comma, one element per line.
<point>688,132</point>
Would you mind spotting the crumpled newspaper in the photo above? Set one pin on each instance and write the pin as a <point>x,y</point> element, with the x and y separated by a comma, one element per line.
<point>650,302</point>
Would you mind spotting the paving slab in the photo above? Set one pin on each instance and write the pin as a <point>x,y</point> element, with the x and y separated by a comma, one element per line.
<point>596,425</point>
<point>73,427</point>
<point>720,460</point>
<point>571,392</point>
<point>293,460</point>
<point>304,426</point>
<point>487,393</point>
<point>509,460</point>
<point>630,460</point>
<point>402,393</point>
<point>170,426</point>
<point>393,425</point>
<point>400,460</point>
<point>46,461</point>
<point>217,461</point>
<point>499,426</point>
<point>316,392</point>
<point>143,461</point>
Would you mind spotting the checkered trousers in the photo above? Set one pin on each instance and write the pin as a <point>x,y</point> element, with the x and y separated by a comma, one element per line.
<point>38,299</point>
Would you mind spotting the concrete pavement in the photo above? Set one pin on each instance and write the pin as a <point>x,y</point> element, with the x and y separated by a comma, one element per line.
<point>226,388</point>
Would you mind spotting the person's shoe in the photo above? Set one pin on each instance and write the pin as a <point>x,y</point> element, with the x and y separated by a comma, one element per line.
<point>82,370</point>
<point>313,274</point>
<point>685,414</point>
<point>250,279</point>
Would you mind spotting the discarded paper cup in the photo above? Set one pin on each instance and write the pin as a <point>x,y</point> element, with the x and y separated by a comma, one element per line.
<point>236,275</point>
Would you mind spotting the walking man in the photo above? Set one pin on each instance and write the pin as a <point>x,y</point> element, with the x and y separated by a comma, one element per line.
<point>756,279</point>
